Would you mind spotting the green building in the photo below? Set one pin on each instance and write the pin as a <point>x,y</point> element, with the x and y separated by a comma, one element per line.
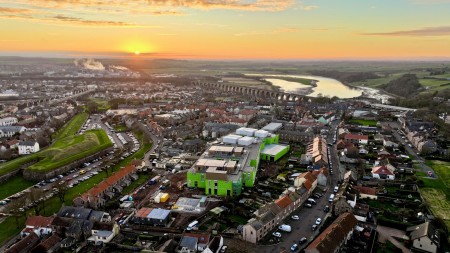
<point>225,169</point>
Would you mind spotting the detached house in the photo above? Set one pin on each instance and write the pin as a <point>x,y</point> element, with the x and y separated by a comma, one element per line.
<point>28,147</point>
<point>357,139</point>
<point>383,172</point>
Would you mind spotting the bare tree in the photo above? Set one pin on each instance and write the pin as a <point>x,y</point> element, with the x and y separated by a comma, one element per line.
<point>15,208</point>
<point>36,197</point>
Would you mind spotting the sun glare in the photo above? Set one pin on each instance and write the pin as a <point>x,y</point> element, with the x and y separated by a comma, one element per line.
<point>137,52</point>
<point>137,47</point>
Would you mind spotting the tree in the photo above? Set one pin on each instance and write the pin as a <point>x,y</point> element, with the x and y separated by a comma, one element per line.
<point>15,208</point>
<point>62,188</point>
<point>36,196</point>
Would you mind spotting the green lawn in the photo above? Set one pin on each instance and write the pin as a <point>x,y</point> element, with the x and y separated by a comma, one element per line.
<point>13,186</point>
<point>364,122</point>
<point>8,227</point>
<point>71,127</point>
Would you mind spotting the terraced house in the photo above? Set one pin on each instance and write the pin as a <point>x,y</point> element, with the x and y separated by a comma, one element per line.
<point>226,168</point>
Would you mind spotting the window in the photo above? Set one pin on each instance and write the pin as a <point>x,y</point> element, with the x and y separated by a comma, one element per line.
<point>251,232</point>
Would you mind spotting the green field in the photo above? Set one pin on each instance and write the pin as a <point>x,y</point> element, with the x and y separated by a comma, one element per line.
<point>8,227</point>
<point>363,122</point>
<point>69,149</point>
<point>437,191</point>
<point>71,127</point>
<point>13,186</point>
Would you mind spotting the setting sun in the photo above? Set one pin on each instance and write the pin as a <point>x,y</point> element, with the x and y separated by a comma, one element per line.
<point>137,52</point>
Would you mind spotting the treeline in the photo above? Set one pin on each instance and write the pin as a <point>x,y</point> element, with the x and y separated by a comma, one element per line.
<point>405,86</point>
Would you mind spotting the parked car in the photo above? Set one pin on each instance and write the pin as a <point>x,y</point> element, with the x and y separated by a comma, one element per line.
<point>294,247</point>
<point>223,249</point>
<point>314,227</point>
<point>308,205</point>
<point>318,221</point>
<point>302,240</point>
<point>277,234</point>
<point>285,228</point>
<point>326,208</point>
<point>295,217</point>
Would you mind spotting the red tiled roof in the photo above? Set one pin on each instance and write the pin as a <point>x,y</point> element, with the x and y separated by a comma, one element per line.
<point>143,212</point>
<point>39,221</point>
<point>110,181</point>
<point>333,235</point>
<point>382,170</point>
<point>283,202</point>
<point>365,190</point>
<point>356,137</point>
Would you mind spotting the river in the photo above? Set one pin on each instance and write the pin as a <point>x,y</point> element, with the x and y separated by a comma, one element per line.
<point>324,86</point>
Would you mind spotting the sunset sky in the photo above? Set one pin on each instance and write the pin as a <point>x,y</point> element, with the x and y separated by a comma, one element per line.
<point>227,29</point>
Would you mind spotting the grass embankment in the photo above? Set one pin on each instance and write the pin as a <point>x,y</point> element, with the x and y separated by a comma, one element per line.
<point>71,127</point>
<point>437,191</point>
<point>70,149</point>
<point>363,122</point>
<point>8,227</point>
<point>13,186</point>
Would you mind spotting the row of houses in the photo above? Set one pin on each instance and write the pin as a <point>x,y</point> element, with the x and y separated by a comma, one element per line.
<point>98,195</point>
<point>63,230</point>
<point>271,215</point>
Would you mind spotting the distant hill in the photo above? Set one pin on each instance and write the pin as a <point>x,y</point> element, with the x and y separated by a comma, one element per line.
<point>405,86</point>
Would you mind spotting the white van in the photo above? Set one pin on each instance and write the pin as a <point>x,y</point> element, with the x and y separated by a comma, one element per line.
<point>285,228</point>
<point>336,189</point>
<point>331,198</point>
<point>192,225</point>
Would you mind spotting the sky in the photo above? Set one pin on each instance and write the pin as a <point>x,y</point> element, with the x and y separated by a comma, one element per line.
<point>227,29</point>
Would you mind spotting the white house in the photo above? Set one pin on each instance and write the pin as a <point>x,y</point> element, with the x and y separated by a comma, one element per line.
<point>28,147</point>
<point>8,121</point>
<point>383,172</point>
<point>9,131</point>
<point>103,233</point>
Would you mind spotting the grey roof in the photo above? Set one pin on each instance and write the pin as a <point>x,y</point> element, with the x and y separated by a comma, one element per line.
<point>425,229</point>
<point>74,212</point>
<point>189,242</point>
<point>272,127</point>
<point>158,214</point>
<point>256,224</point>
<point>11,128</point>
<point>96,215</point>
<point>103,233</point>
<point>27,143</point>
